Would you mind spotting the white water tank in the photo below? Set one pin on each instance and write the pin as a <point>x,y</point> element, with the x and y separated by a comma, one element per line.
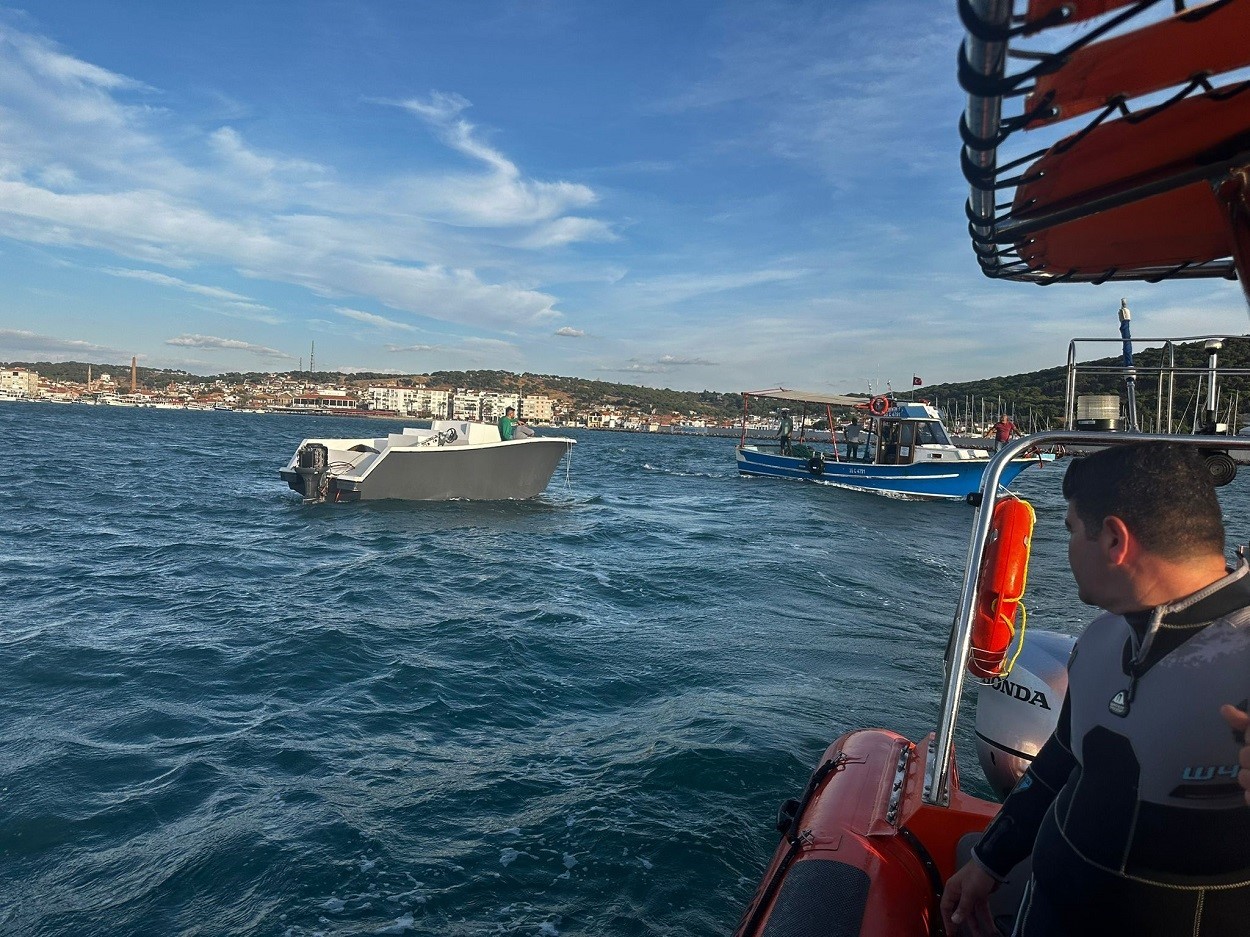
<point>1097,412</point>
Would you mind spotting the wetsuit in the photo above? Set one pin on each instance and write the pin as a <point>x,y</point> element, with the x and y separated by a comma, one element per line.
<point>1132,809</point>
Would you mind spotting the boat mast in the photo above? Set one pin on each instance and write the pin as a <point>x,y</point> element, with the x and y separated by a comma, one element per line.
<point>1130,373</point>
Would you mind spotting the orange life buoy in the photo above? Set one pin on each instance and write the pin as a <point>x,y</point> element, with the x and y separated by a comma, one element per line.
<point>1000,586</point>
<point>878,406</point>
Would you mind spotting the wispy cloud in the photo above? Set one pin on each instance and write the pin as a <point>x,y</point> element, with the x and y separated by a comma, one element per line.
<point>87,165</point>
<point>501,195</point>
<point>19,341</point>
<point>569,332</point>
<point>226,344</point>
<point>397,349</point>
<point>369,318</point>
<point>679,361</point>
<point>680,287</point>
<point>665,364</point>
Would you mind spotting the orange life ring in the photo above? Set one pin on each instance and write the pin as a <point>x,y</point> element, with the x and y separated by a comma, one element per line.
<point>1000,586</point>
<point>878,406</point>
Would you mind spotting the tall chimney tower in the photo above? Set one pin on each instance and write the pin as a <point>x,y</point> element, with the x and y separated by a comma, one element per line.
<point>312,358</point>
<point>134,374</point>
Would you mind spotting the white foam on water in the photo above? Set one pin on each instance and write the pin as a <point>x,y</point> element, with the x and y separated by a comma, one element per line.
<point>367,864</point>
<point>508,856</point>
<point>332,904</point>
<point>569,860</point>
<point>547,929</point>
<point>646,864</point>
<point>401,925</point>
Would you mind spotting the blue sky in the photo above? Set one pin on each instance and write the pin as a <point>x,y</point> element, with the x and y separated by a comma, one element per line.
<point>720,195</point>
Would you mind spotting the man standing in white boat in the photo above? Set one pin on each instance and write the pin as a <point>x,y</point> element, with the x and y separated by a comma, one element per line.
<point>1132,809</point>
<point>511,428</point>
<point>784,429</point>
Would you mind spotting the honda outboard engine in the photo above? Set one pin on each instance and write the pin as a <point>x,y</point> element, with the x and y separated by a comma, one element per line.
<point>1017,713</point>
<point>312,462</point>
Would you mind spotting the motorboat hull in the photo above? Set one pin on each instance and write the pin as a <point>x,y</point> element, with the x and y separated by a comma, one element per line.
<point>936,481</point>
<point>861,854</point>
<point>492,471</point>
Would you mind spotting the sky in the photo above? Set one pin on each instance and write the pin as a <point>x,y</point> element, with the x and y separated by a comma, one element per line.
<point>724,195</point>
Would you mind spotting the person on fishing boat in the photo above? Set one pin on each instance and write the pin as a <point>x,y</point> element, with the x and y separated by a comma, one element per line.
<point>1132,810</point>
<point>784,429</point>
<point>1003,430</point>
<point>853,433</point>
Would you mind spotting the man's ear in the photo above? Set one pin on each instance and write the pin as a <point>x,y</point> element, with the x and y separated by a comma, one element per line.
<point>1116,539</point>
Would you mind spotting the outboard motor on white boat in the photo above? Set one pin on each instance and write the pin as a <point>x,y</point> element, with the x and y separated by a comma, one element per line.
<point>1016,713</point>
<point>312,463</point>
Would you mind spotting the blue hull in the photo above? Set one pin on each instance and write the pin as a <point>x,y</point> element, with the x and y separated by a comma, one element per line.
<point>947,481</point>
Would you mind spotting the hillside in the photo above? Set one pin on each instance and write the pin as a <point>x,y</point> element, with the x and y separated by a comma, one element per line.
<point>1041,393</point>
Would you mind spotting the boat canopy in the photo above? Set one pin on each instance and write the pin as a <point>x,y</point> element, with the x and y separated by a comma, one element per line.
<point>1153,182</point>
<point>807,396</point>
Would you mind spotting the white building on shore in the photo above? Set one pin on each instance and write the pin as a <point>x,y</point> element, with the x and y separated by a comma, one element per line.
<point>18,382</point>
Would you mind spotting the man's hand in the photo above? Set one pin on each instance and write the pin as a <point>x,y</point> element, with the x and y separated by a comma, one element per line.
<point>966,902</point>
<point>1240,721</point>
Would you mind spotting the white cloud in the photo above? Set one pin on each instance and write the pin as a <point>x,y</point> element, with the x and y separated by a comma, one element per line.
<point>680,287</point>
<point>569,332</point>
<point>226,344</point>
<point>678,360</point>
<point>500,196</point>
<point>371,319</point>
<point>18,340</point>
<point>407,348</point>
<point>163,279</point>
<point>82,166</point>
<point>568,230</point>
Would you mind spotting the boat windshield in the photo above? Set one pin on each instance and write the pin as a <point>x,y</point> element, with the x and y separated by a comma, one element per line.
<point>931,433</point>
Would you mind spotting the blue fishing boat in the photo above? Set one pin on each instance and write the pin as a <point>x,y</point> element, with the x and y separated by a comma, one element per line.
<point>906,454</point>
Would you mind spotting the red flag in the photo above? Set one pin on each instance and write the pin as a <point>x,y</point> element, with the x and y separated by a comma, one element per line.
<point>916,382</point>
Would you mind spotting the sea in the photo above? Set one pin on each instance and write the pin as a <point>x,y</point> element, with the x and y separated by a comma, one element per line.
<point>228,712</point>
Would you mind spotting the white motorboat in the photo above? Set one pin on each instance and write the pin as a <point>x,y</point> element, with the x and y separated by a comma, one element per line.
<point>452,460</point>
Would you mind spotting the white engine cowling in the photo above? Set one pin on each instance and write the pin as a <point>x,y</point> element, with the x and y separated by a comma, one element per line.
<point>1017,713</point>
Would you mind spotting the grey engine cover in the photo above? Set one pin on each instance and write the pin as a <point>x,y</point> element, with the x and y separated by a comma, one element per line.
<point>1017,713</point>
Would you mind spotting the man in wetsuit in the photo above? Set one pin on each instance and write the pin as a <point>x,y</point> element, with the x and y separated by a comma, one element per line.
<point>1132,809</point>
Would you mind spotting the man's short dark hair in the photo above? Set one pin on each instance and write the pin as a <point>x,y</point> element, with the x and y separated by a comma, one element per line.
<point>510,410</point>
<point>1162,491</point>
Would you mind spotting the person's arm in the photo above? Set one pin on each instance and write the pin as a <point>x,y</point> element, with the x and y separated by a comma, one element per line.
<point>1009,837</point>
<point>1239,721</point>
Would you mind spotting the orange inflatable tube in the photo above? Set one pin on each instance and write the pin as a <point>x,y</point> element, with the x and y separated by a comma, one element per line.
<point>1000,586</point>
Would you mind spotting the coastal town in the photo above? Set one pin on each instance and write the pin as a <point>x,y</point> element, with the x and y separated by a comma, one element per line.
<point>395,398</point>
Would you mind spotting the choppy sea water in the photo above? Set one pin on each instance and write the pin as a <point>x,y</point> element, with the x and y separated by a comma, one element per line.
<point>226,712</point>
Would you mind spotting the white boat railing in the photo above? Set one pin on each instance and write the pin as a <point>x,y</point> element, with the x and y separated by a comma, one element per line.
<point>939,768</point>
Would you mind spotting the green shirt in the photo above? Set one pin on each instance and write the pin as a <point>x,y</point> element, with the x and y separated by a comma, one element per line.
<point>507,426</point>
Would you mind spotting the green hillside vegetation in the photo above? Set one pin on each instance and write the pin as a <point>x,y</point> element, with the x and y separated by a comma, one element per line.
<point>1041,393</point>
